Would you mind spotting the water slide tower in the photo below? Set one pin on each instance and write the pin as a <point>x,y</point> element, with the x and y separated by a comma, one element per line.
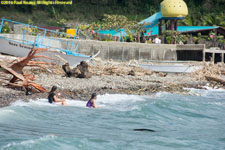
<point>172,11</point>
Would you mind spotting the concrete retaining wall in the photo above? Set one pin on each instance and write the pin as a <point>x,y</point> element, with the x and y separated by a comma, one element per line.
<point>123,51</point>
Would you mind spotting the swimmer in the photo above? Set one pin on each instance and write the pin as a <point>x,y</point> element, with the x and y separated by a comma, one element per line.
<point>91,102</point>
<point>52,97</point>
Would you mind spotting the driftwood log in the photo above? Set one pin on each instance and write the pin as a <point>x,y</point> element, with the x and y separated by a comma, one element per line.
<point>216,79</point>
<point>67,70</point>
<point>20,79</point>
<point>84,71</point>
<point>81,71</point>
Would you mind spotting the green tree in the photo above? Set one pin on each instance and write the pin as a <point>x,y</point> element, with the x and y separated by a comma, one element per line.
<point>190,21</point>
<point>213,20</point>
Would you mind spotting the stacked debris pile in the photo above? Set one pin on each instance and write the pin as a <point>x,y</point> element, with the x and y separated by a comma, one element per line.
<point>117,68</point>
<point>211,72</point>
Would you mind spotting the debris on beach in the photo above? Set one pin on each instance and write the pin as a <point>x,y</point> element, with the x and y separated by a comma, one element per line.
<point>211,72</point>
<point>83,70</point>
<point>99,68</point>
<point>216,79</point>
<point>67,70</point>
<point>15,69</point>
<point>80,71</point>
<point>117,68</point>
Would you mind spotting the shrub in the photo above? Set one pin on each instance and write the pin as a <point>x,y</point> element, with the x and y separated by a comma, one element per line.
<point>6,28</point>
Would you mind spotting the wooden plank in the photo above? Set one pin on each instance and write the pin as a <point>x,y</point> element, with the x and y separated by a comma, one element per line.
<point>216,79</point>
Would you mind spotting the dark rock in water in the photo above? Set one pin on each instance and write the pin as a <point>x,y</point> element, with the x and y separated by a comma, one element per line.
<point>149,130</point>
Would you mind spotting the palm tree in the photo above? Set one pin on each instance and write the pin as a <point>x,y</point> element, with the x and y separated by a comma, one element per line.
<point>213,20</point>
<point>190,21</point>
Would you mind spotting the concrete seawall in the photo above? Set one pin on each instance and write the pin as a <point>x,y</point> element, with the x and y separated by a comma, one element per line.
<point>123,51</point>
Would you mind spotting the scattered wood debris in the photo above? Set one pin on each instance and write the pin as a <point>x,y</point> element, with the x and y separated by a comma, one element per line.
<point>216,79</point>
<point>210,72</point>
<point>117,68</point>
<point>81,71</point>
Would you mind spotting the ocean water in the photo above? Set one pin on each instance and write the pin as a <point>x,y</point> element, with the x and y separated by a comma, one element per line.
<point>180,122</point>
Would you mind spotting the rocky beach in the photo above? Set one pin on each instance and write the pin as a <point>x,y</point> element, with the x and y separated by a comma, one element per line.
<point>110,77</point>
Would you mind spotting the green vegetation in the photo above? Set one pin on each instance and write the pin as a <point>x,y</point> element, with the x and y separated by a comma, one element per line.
<point>175,37</point>
<point>116,23</point>
<point>211,19</point>
<point>201,12</point>
<point>6,28</point>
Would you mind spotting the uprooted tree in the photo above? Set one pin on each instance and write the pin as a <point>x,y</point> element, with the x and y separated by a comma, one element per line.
<point>19,78</point>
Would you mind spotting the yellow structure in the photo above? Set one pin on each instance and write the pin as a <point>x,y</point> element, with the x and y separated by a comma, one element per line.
<point>174,8</point>
<point>71,32</point>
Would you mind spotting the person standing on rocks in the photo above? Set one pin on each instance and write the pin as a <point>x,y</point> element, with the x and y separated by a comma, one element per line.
<point>53,98</point>
<point>91,102</point>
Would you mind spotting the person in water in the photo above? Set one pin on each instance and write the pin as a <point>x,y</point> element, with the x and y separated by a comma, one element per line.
<point>52,97</point>
<point>91,102</point>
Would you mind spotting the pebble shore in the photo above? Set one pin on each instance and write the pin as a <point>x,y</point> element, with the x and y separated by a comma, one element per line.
<point>107,77</point>
<point>81,89</point>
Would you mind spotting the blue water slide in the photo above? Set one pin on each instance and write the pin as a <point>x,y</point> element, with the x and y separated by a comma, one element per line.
<point>151,21</point>
<point>120,33</point>
<point>147,23</point>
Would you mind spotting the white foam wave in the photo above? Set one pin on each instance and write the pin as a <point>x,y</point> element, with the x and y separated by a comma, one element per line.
<point>44,102</point>
<point>121,102</point>
<point>76,103</point>
<point>222,104</point>
<point>206,91</point>
<point>114,99</point>
<point>30,143</point>
<point>39,102</point>
<point>5,112</point>
<point>160,94</point>
<point>103,101</point>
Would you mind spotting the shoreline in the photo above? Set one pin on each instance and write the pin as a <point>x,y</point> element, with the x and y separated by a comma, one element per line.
<point>147,87</point>
<point>109,77</point>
